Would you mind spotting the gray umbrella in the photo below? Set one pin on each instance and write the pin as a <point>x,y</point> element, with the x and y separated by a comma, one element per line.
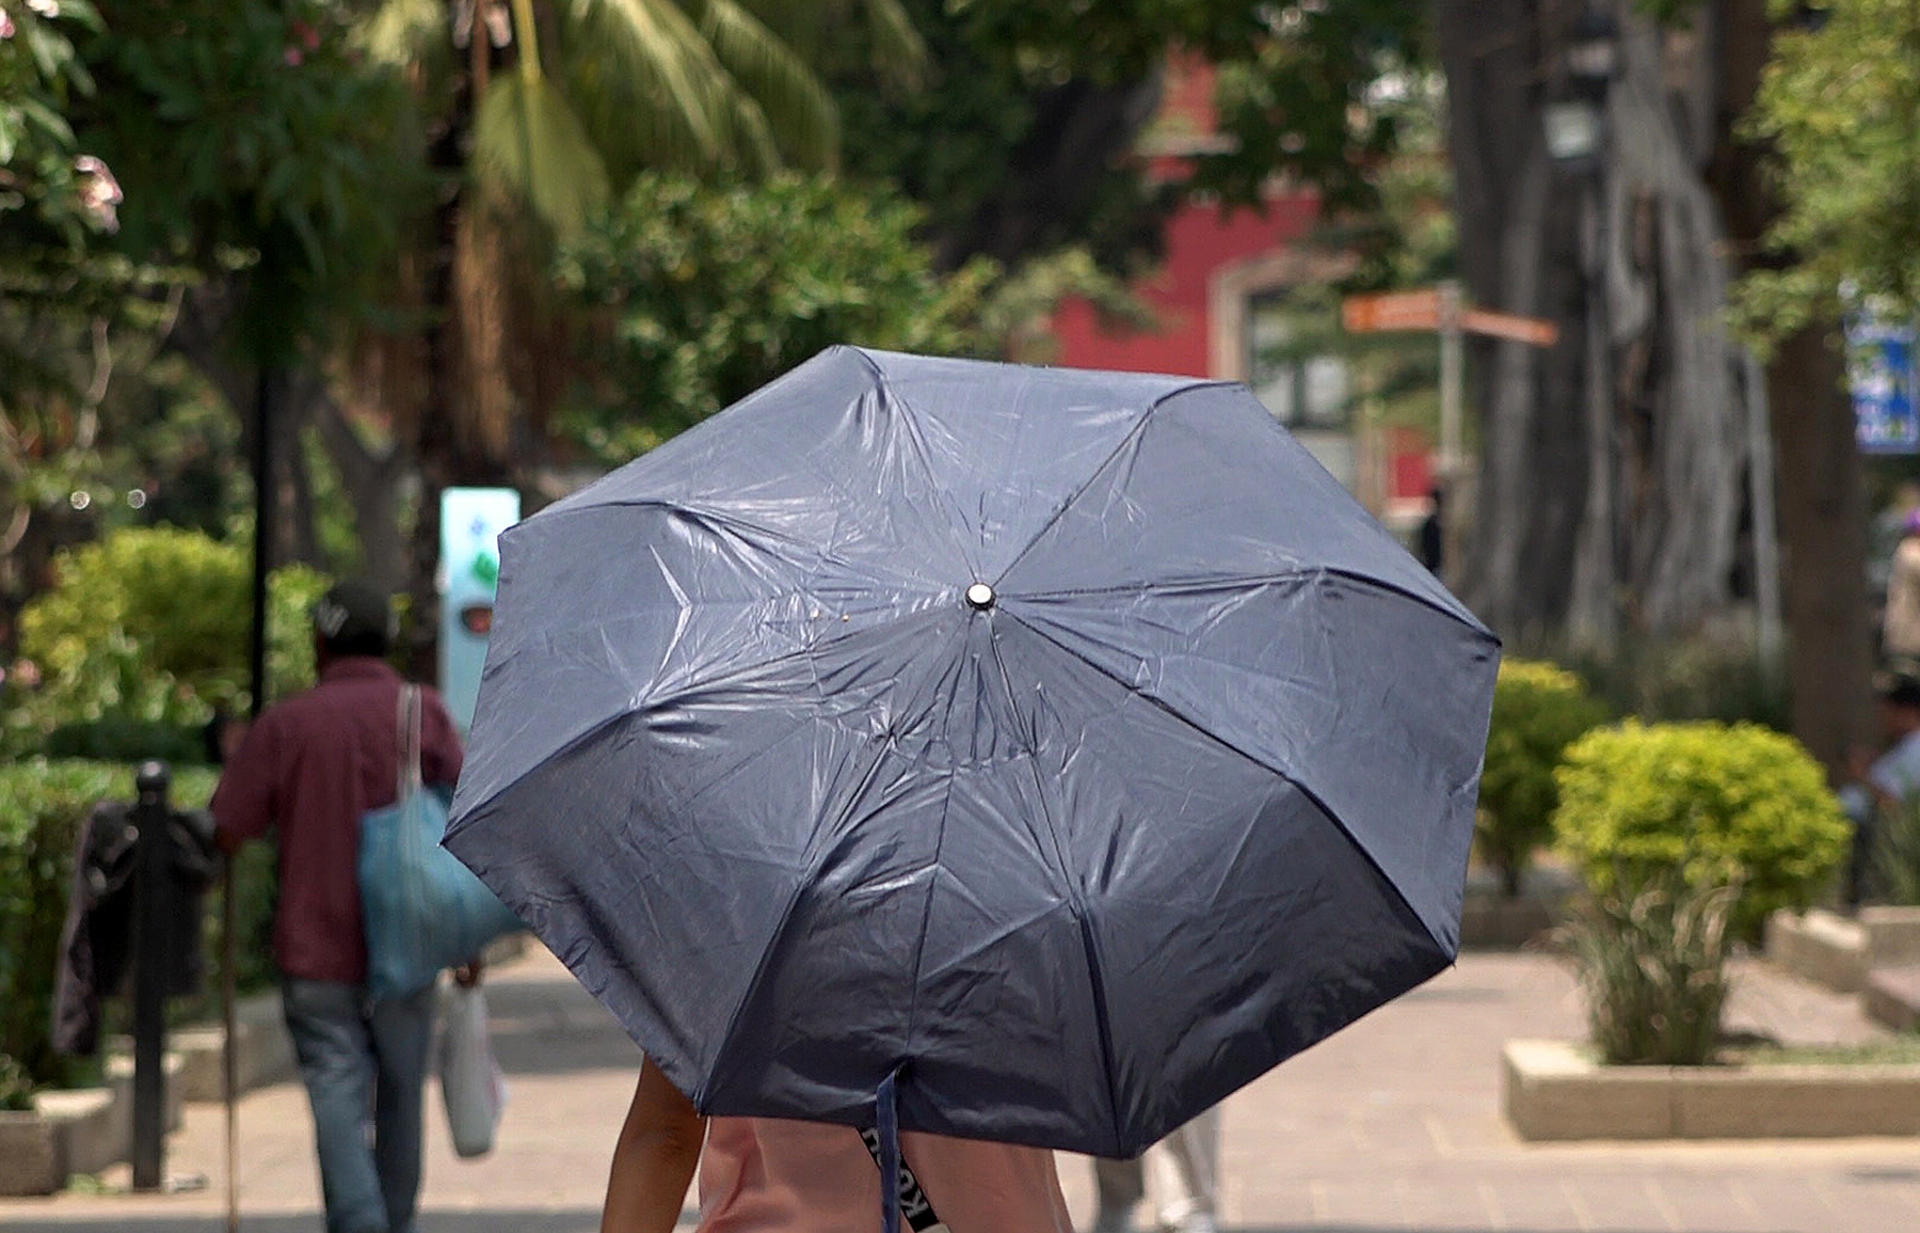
<point>1067,745</point>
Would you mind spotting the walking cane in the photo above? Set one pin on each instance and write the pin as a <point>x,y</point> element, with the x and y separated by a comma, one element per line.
<point>229,1068</point>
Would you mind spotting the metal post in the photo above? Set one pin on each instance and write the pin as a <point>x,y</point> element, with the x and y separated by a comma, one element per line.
<point>151,923</point>
<point>267,392</point>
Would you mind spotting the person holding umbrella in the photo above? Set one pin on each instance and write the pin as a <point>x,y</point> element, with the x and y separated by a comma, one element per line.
<point>776,1176</point>
<point>970,752</point>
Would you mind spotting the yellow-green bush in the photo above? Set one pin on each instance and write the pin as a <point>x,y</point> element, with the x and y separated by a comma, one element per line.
<point>1721,805</point>
<point>152,625</point>
<point>1538,709</point>
<point>43,806</point>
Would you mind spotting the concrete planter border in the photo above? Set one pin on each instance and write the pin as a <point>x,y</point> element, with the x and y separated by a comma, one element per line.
<point>79,1131</point>
<point>1840,952</point>
<point>1551,1091</point>
<point>86,1130</point>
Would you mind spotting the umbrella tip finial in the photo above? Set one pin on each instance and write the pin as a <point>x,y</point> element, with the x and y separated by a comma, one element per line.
<point>980,596</point>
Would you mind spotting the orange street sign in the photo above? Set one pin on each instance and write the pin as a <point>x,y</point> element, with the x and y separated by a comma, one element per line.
<point>1394,310</point>
<point>1530,330</point>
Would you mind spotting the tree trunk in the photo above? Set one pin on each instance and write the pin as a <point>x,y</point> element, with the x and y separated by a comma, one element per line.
<point>374,484</point>
<point>1822,505</point>
<point>1610,488</point>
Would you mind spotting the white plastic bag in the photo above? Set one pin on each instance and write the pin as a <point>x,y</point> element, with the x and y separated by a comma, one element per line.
<point>471,1082</point>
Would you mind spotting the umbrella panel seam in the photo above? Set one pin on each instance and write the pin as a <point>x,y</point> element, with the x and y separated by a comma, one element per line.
<point>1076,904</point>
<point>785,921</point>
<point>1215,739</point>
<point>1251,580</point>
<point>723,518</point>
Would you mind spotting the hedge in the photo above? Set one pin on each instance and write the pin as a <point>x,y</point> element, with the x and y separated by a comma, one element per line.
<point>1538,710</point>
<point>43,806</point>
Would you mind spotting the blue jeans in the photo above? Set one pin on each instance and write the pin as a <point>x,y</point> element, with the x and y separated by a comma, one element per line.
<point>364,1064</point>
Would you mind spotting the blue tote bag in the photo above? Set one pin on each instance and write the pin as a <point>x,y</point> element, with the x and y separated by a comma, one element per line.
<point>423,910</point>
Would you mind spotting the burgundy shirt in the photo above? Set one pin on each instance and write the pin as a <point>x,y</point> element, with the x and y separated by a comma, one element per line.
<point>311,767</point>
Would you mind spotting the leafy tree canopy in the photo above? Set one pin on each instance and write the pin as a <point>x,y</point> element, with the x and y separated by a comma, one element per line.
<point>1023,139</point>
<point>256,139</point>
<point>708,293</point>
<point>1840,104</point>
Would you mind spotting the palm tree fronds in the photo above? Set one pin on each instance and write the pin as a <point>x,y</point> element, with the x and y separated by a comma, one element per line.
<point>405,32</point>
<point>757,153</point>
<point>899,53</point>
<point>655,41</point>
<point>798,110</point>
<point>528,144</point>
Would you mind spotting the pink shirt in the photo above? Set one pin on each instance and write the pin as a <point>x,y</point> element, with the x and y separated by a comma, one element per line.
<point>759,1175</point>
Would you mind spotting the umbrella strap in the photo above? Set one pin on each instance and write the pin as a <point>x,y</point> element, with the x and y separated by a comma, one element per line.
<point>883,1144</point>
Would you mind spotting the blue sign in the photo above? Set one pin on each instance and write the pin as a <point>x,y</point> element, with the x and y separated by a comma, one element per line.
<point>471,520</point>
<point>1880,373</point>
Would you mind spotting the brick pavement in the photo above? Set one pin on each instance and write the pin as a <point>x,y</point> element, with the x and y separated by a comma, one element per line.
<point>1393,1124</point>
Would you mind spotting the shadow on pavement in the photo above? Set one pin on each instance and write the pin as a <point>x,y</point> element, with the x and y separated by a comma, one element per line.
<point>524,1048</point>
<point>549,1027</point>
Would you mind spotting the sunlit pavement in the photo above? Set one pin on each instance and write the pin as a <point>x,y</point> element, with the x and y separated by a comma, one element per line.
<point>1393,1124</point>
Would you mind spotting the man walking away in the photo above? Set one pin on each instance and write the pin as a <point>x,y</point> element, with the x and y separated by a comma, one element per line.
<point>310,768</point>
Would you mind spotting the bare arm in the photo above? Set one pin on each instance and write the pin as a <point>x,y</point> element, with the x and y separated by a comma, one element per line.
<point>654,1159</point>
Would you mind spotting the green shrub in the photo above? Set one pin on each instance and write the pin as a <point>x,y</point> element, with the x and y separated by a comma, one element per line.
<point>709,292</point>
<point>43,806</point>
<point>1896,853</point>
<point>152,626</point>
<point>119,738</point>
<point>16,1089</point>
<point>1538,710</point>
<point>1719,805</point>
<point>1653,966</point>
<point>1661,680</point>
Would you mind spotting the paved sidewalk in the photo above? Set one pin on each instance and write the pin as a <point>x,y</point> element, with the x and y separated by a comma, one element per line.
<point>1393,1124</point>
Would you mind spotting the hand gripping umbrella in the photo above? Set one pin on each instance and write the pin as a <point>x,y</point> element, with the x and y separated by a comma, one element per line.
<point>1062,749</point>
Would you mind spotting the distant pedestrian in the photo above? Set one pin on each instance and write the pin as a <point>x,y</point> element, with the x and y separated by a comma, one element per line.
<point>1432,539</point>
<point>1884,779</point>
<point>762,1175</point>
<point>1183,1170</point>
<point>1900,625</point>
<point>309,769</point>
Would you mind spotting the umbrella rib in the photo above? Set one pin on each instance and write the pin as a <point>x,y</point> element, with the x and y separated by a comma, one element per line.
<point>1177,585</point>
<point>722,517</point>
<point>1096,974</point>
<point>1131,438</point>
<point>1214,739</point>
<point>909,417</point>
<point>780,927</point>
<point>926,912</point>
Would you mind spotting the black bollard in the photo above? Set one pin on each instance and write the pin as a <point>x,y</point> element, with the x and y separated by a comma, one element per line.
<point>151,887</point>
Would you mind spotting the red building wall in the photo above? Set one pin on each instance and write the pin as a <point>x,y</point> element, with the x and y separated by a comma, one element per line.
<point>1201,239</point>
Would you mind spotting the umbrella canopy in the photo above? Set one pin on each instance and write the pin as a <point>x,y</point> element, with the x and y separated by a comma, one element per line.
<point>1068,744</point>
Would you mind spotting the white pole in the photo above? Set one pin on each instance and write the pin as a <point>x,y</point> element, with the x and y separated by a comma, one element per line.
<point>1766,536</point>
<point>1452,379</point>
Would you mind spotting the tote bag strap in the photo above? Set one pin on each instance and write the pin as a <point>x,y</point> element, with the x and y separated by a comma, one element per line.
<point>409,729</point>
